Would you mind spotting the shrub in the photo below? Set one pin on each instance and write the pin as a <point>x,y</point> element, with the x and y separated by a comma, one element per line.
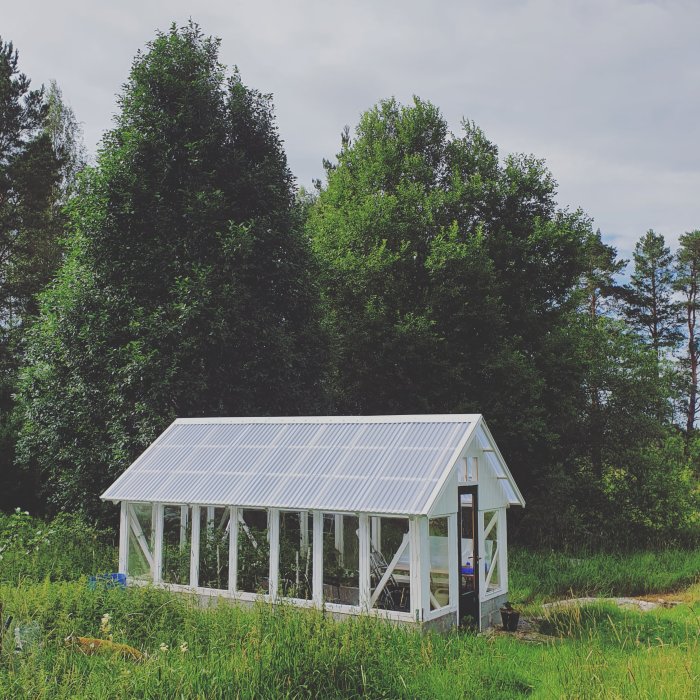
<point>65,548</point>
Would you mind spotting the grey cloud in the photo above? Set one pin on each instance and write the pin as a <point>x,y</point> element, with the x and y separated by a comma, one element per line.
<point>605,90</point>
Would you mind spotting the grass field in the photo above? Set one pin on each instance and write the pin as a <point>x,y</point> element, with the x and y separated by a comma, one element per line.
<point>536,577</point>
<point>597,651</point>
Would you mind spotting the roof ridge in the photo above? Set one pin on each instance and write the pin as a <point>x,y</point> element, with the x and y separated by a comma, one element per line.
<point>398,418</point>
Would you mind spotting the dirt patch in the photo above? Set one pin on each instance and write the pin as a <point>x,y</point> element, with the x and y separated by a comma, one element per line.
<point>529,627</point>
<point>643,604</point>
<point>528,631</point>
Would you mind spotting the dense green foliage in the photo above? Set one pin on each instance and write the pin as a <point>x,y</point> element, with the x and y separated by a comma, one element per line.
<point>187,286</point>
<point>61,549</point>
<point>427,273</point>
<point>446,275</point>
<point>451,283</point>
<point>37,165</point>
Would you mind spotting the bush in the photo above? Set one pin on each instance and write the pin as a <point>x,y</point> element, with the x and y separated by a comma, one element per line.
<point>63,549</point>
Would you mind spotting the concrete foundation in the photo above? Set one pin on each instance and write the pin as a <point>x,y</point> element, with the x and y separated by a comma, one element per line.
<point>490,609</point>
<point>490,615</point>
<point>441,625</point>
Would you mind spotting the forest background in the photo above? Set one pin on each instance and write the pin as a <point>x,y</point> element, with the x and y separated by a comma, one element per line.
<point>184,274</point>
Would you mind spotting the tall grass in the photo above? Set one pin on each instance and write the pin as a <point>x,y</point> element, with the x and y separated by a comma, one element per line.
<point>539,576</point>
<point>228,651</point>
<point>281,652</point>
<point>232,651</point>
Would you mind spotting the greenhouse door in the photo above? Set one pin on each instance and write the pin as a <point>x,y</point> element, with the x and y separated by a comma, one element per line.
<point>467,548</point>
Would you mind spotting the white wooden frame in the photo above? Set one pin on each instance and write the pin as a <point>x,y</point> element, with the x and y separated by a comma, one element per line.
<point>304,542</point>
<point>129,524</point>
<point>195,536</point>
<point>157,515</point>
<point>451,564</point>
<point>241,525</point>
<point>369,524</point>
<point>501,552</point>
<point>234,515</point>
<point>124,537</point>
<point>273,534</point>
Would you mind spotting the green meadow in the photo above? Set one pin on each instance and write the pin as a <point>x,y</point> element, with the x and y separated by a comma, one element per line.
<point>228,651</point>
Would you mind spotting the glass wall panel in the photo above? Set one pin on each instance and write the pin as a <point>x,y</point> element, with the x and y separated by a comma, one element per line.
<point>141,536</point>
<point>390,566</point>
<point>177,528</point>
<point>341,575</point>
<point>467,519</point>
<point>253,551</point>
<point>296,560</point>
<point>213,547</point>
<point>349,526</point>
<point>492,571</point>
<point>439,563</point>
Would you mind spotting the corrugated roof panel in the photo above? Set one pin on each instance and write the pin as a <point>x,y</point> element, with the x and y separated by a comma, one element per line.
<point>383,464</point>
<point>510,492</point>
<point>495,465</point>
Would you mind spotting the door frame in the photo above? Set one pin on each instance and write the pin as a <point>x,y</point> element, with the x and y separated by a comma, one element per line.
<point>474,492</point>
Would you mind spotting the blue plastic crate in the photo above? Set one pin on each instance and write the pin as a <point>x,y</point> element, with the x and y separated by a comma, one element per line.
<point>107,580</point>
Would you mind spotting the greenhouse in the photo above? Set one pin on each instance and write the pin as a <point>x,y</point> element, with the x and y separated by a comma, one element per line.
<point>402,517</point>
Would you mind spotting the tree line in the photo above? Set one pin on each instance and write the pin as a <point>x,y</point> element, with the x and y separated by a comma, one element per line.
<point>184,274</point>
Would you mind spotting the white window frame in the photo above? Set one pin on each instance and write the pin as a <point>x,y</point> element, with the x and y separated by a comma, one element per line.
<point>502,554</point>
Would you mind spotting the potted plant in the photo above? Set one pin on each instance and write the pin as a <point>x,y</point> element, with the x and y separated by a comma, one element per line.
<point>510,617</point>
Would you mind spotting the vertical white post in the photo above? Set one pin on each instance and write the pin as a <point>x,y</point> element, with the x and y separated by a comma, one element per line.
<point>339,537</point>
<point>503,547</point>
<point>365,588</point>
<point>274,538</point>
<point>157,519</point>
<point>482,555</point>
<point>420,567</point>
<point>377,533</point>
<point>233,550</point>
<point>184,513</point>
<point>423,559</point>
<point>124,538</point>
<point>453,566</point>
<point>317,562</point>
<point>194,547</point>
<point>414,574</point>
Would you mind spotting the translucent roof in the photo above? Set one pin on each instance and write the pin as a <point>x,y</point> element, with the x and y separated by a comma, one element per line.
<point>378,464</point>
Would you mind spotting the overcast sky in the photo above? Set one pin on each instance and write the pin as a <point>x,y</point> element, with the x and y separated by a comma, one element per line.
<point>606,91</point>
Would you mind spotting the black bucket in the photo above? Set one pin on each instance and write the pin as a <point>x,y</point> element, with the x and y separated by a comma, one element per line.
<point>510,619</point>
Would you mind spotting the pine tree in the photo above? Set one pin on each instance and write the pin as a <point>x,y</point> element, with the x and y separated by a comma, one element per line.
<point>649,304</point>
<point>601,267</point>
<point>31,224</point>
<point>687,283</point>
<point>599,293</point>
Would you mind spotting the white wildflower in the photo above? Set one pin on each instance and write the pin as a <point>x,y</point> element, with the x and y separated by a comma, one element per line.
<point>105,625</point>
<point>183,647</point>
<point>163,646</point>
